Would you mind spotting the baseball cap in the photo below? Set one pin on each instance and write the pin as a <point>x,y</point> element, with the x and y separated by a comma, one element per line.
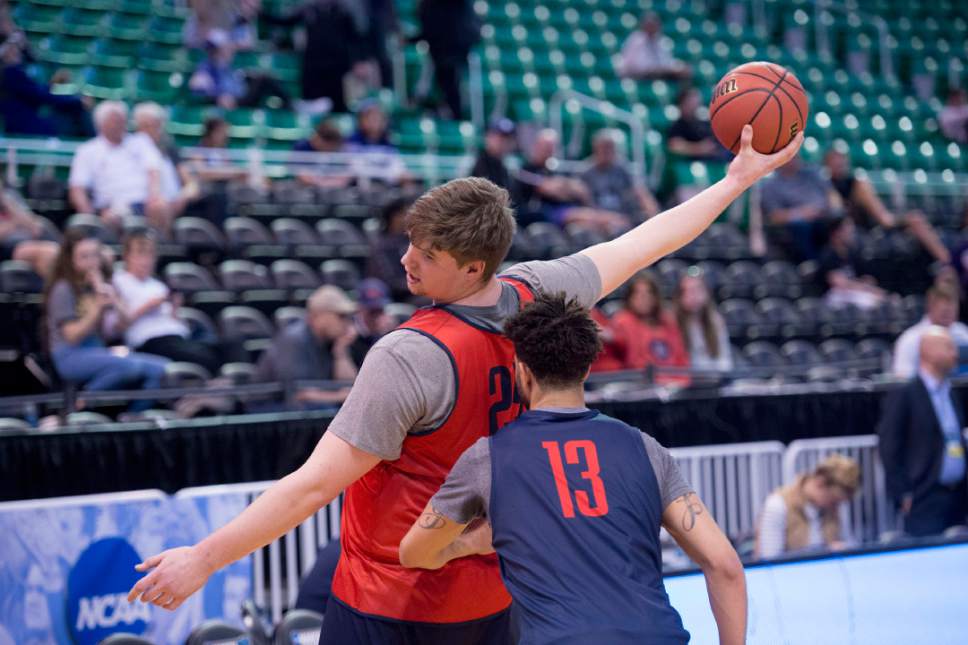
<point>333,299</point>
<point>374,294</point>
<point>503,126</point>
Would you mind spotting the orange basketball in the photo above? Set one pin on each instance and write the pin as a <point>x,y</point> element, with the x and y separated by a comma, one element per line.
<point>765,95</point>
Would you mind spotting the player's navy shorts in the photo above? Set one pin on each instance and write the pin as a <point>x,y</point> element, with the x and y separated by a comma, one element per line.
<point>345,626</point>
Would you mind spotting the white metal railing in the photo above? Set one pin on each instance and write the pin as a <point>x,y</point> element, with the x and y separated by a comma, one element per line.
<point>289,557</point>
<point>733,480</point>
<point>870,513</point>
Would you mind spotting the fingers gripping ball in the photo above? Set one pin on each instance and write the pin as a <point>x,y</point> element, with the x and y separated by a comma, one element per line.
<point>765,95</point>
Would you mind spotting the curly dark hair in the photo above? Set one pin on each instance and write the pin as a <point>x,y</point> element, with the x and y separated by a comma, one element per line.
<point>556,338</point>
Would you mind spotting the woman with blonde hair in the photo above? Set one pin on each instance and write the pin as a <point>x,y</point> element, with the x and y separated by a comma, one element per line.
<point>809,513</point>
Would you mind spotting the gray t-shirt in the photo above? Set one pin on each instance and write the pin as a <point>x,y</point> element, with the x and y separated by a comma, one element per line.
<point>61,307</point>
<point>406,384</point>
<point>466,494</point>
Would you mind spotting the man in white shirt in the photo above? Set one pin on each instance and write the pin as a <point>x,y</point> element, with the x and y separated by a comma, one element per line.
<point>646,54</point>
<point>941,306</point>
<point>120,171</point>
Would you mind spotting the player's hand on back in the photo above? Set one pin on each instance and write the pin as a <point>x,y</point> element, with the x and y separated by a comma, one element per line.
<point>478,537</point>
<point>173,576</point>
<point>750,165</point>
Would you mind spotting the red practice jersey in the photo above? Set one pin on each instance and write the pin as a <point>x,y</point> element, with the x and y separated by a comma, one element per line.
<point>381,506</point>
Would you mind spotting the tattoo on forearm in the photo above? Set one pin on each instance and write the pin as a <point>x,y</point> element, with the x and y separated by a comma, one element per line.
<point>432,520</point>
<point>693,509</point>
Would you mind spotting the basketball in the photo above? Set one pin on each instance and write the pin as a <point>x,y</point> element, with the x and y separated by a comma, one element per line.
<point>765,95</point>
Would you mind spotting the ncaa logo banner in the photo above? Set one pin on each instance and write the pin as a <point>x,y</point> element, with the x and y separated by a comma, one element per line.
<point>66,566</point>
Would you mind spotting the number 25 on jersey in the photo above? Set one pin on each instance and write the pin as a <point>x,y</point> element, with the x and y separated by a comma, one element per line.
<point>591,473</point>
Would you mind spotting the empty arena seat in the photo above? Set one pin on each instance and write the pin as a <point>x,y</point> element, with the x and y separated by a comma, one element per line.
<point>188,277</point>
<point>779,315</point>
<point>340,273</point>
<point>90,226</point>
<point>293,231</point>
<point>670,271</point>
<point>339,233</point>
<point>18,277</point>
<point>582,238</point>
<point>780,280</point>
<point>181,374</point>
<point>726,241</point>
<point>125,639</point>
<point>548,240</point>
<point>200,325</point>
<point>713,274</point>
<point>298,626</point>
<point>836,350</point>
<point>238,373</point>
<point>244,323</point>
<point>293,274</point>
<point>740,280</point>
<point>215,631</point>
<point>197,232</point>
<point>763,354</point>
<point>239,275</point>
<point>740,316</point>
<point>244,231</point>
<point>81,419</point>
<point>874,349</point>
<point>285,316</point>
<point>800,352</point>
<point>293,192</point>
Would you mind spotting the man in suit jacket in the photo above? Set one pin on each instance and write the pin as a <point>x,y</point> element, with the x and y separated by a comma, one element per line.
<point>922,445</point>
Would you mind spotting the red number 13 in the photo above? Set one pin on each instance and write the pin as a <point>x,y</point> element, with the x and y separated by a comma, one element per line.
<point>591,474</point>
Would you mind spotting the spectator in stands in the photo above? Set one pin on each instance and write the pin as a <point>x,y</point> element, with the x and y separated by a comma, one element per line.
<point>797,198</point>
<point>213,169</point>
<point>842,271</point>
<point>389,247</point>
<point>233,17</point>
<point>647,54</point>
<point>921,442</point>
<point>177,187</point>
<point>334,35</point>
<point>121,171</point>
<point>809,514</point>
<point>499,142</point>
<point>868,211</point>
<point>216,80</point>
<point>690,136</point>
<point>546,195</point>
<point>611,184</point>
<point>451,28</point>
<point>23,235</point>
<point>81,308</point>
<point>382,160</point>
<point>22,99</point>
<point>702,327</point>
<point>954,116</point>
<point>323,347</point>
<point>645,335</point>
<point>371,320</point>
<point>326,138</point>
<point>150,325</point>
<point>941,310</point>
<point>608,360</point>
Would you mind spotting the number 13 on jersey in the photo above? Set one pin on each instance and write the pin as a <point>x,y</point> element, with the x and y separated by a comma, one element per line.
<point>591,473</point>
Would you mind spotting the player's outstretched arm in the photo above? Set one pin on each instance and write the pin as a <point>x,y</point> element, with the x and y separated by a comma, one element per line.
<point>176,574</point>
<point>617,260</point>
<point>435,539</point>
<point>692,527</point>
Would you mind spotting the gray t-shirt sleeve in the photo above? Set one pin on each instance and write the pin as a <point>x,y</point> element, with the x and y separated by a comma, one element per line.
<point>671,482</point>
<point>576,275</point>
<point>61,304</point>
<point>406,384</point>
<point>467,490</point>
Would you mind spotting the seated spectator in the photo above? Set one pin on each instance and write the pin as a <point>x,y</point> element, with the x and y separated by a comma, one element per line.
<point>213,169</point>
<point>690,136</point>
<point>23,235</point>
<point>177,187</point>
<point>381,160</point>
<point>150,325</point>
<point>499,142</point>
<point>371,321</point>
<point>645,335</point>
<point>323,347</point>
<point>217,81</point>
<point>326,138</point>
<point>842,273</point>
<point>545,195</point>
<point>810,513</point>
<point>81,309</point>
<point>941,310</point>
<point>120,171</point>
<point>867,209</point>
<point>921,442</point>
<point>22,99</point>
<point>954,116</point>
<point>608,360</point>
<point>702,327</point>
<point>235,18</point>
<point>647,54</point>
<point>610,183</point>
<point>387,249</point>
<point>797,198</point>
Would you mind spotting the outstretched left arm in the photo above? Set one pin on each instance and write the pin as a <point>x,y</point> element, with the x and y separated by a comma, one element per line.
<point>617,260</point>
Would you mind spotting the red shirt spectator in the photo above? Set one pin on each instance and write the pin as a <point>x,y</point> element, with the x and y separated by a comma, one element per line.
<point>644,334</point>
<point>608,359</point>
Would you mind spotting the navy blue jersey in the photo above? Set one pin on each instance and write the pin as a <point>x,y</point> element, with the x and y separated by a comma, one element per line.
<point>576,511</point>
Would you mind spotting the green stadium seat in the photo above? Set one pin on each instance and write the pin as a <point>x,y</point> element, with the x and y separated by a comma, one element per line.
<point>64,50</point>
<point>105,83</point>
<point>244,123</point>
<point>161,87</point>
<point>128,26</point>
<point>285,66</point>
<point>116,53</point>
<point>186,120</point>
<point>456,137</point>
<point>38,19</point>
<point>165,30</point>
<point>286,126</point>
<point>159,57</point>
<point>88,23</point>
